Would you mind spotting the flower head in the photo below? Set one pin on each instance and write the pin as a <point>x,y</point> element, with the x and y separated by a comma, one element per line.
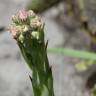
<point>24,22</point>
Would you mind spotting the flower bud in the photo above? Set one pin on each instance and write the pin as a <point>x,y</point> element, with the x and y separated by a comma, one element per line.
<point>35,34</point>
<point>31,13</point>
<point>36,23</point>
<point>15,18</point>
<point>21,38</point>
<point>22,15</point>
<point>13,32</point>
<point>25,28</point>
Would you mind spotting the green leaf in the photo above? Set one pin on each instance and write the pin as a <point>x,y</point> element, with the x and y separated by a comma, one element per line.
<point>73,53</point>
<point>45,91</point>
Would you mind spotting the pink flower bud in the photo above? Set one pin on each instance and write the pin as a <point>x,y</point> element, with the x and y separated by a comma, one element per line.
<point>13,32</point>
<point>36,22</point>
<point>23,15</point>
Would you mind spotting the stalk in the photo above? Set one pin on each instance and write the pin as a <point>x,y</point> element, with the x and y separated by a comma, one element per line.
<point>40,6</point>
<point>28,30</point>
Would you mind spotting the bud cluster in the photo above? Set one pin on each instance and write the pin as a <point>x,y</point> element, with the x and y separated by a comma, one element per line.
<point>25,22</point>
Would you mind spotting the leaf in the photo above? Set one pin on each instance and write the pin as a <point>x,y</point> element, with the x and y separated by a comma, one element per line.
<point>73,53</point>
<point>45,91</point>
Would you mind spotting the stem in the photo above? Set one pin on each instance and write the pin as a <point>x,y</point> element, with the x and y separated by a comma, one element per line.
<point>41,5</point>
<point>29,34</point>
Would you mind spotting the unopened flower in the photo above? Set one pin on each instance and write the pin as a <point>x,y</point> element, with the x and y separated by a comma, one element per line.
<point>36,22</point>
<point>21,38</point>
<point>35,35</point>
<point>25,28</point>
<point>31,13</point>
<point>23,15</point>
<point>15,18</point>
<point>13,31</point>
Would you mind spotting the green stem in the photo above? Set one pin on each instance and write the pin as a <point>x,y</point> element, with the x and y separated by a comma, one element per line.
<point>41,5</point>
<point>29,34</point>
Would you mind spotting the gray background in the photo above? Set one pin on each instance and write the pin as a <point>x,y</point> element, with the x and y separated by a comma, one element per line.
<point>14,72</point>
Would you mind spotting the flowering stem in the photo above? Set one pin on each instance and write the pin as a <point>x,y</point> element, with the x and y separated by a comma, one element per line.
<point>28,30</point>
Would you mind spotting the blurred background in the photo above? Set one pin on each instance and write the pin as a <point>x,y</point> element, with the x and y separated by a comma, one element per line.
<point>63,23</point>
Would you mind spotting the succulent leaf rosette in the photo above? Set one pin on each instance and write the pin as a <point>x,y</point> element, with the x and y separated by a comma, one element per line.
<point>28,30</point>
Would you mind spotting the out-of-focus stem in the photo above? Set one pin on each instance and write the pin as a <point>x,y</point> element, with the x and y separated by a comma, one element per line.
<point>39,6</point>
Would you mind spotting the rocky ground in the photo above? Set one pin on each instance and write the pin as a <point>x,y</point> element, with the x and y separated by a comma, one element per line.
<point>14,72</point>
